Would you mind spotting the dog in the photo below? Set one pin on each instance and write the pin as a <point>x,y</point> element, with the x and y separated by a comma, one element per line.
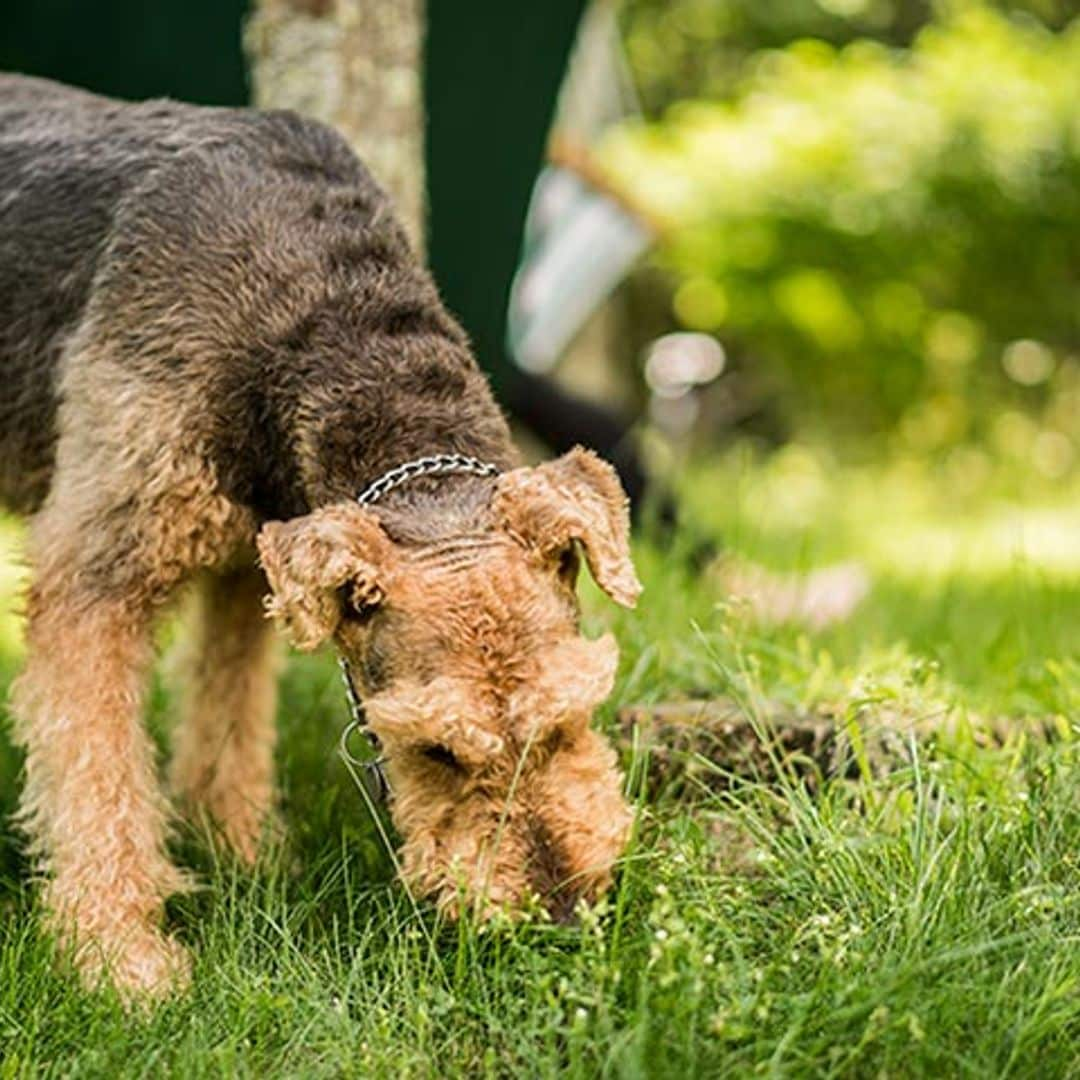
<point>213,337</point>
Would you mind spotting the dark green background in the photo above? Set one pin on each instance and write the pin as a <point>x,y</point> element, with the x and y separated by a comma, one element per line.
<point>131,48</point>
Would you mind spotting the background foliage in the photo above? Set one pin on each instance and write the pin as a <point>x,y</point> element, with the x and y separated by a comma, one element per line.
<point>882,218</point>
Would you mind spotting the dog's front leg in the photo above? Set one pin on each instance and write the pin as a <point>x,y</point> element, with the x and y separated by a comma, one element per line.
<point>223,754</point>
<point>92,804</point>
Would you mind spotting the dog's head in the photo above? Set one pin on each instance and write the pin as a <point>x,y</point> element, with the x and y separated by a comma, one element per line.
<point>476,678</point>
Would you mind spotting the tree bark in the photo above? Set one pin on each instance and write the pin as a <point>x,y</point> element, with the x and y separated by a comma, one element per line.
<point>356,65</point>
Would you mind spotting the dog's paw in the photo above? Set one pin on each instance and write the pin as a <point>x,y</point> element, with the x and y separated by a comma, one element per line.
<point>143,965</point>
<point>245,832</point>
<point>252,833</point>
<point>244,824</point>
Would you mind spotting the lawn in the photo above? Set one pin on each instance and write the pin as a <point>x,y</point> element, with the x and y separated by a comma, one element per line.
<point>917,919</point>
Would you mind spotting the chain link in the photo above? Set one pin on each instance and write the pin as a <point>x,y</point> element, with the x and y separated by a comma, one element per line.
<point>436,464</point>
<point>372,767</point>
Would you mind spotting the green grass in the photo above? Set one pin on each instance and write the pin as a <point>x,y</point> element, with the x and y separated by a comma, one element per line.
<point>922,923</point>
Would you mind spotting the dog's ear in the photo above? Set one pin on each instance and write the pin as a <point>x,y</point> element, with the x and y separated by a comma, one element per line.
<point>576,498</point>
<point>315,562</point>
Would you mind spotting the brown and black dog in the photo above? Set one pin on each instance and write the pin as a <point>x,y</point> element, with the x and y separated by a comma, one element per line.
<point>213,336</point>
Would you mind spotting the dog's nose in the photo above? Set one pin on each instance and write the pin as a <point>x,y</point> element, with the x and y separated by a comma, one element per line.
<point>562,906</point>
<point>548,874</point>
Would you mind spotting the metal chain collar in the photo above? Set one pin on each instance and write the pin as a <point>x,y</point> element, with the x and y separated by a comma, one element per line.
<point>436,464</point>
<point>372,768</point>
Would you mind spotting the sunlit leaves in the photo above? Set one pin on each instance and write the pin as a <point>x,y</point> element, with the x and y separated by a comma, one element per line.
<point>892,227</point>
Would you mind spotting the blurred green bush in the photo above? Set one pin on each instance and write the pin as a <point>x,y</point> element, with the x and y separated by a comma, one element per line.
<point>680,49</point>
<point>891,233</point>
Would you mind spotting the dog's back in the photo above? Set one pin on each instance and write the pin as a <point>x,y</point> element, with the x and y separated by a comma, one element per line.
<point>134,207</point>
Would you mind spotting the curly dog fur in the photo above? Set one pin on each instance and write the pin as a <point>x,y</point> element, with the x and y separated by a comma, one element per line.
<point>213,335</point>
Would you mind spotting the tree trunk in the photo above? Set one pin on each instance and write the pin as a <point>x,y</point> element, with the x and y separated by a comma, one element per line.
<point>356,65</point>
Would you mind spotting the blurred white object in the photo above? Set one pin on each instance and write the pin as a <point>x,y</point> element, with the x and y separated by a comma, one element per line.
<point>581,236</point>
<point>582,242</point>
<point>817,599</point>
<point>678,362</point>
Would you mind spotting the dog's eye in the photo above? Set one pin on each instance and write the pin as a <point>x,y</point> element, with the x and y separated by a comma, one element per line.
<point>441,755</point>
<point>352,612</point>
<point>568,565</point>
<point>556,741</point>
